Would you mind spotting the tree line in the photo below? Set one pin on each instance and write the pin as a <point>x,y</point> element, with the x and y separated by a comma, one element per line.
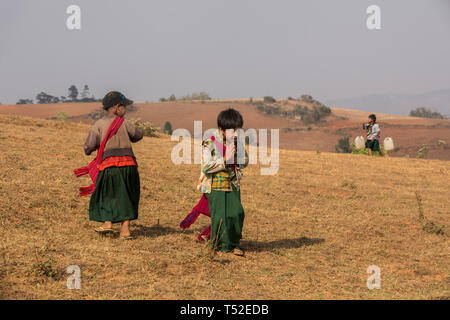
<point>189,97</point>
<point>73,95</point>
<point>426,113</point>
<point>307,110</point>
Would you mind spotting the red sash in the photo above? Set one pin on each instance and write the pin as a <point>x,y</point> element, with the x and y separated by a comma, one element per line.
<point>202,207</point>
<point>93,167</point>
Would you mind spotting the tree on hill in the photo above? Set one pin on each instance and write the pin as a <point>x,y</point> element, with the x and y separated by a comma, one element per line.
<point>44,98</point>
<point>73,93</point>
<point>25,101</point>
<point>269,99</point>
<point>311,115</point>
<point>85,94</point>
<point>426,113</point>
<point>168,127</point>
<point>307,98</point>
<point>196,96</point>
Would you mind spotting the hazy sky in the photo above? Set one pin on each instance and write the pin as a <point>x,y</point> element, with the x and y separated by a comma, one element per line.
<point>228,48</point>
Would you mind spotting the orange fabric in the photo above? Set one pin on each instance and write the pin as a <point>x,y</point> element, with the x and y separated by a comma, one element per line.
<point>117,162</point>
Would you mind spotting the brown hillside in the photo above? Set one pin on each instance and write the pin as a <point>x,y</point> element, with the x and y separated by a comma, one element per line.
<point>408,133</point>
<point>49,110</point>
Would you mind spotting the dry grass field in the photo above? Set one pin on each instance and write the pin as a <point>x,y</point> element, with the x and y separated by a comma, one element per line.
<point>310,231</point>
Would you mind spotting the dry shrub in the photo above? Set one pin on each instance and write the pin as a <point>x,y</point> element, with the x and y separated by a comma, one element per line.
<point>429,226</point>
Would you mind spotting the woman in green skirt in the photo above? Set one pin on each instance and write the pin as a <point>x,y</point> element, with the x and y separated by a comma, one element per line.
<point>117,187</point>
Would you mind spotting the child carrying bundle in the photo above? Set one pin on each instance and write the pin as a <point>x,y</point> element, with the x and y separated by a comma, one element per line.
<point>373,135</point>
<point>116,186</point>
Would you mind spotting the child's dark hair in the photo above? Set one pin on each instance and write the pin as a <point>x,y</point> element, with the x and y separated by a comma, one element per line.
<point>229,119</point>
<point>373,117</point>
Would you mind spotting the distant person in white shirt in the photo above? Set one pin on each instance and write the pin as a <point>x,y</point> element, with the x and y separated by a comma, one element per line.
<point>373,135</point>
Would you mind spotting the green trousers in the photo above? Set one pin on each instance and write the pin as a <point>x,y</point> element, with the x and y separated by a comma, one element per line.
<point>227,219</point>
<point>116,195</point>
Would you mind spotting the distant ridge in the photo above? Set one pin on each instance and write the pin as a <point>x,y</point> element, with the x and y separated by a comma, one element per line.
<point>402,104</point>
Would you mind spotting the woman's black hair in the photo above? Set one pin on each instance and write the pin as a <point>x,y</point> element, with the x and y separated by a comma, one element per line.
<point>373,117</point>
<point>229,119</point>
